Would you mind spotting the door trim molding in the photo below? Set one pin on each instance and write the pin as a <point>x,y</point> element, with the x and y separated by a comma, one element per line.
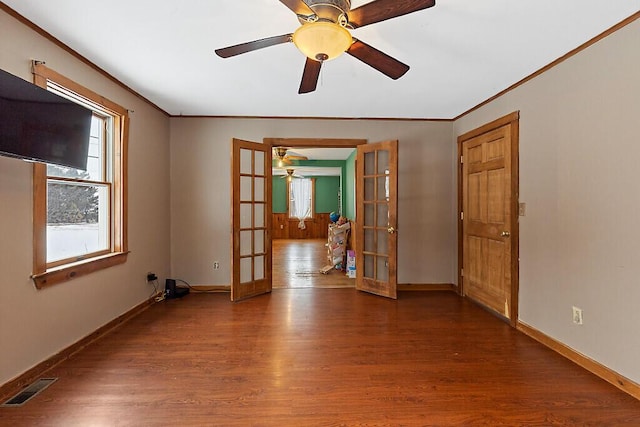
<point>513,119</point>
<point>314,142</point>
<point>310,143</point>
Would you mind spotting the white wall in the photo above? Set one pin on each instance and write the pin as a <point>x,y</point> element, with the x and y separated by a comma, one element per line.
<point>36,324</point>
<point>580,240</point>
<point>201,200</point>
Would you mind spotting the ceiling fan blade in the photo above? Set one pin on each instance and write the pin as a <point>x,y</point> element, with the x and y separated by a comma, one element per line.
<point>381,10</point>
<point>378,60</point>
<point>298,7</point>
<point>310,76</point>
<point>295,155</point>
<point>238,49</point>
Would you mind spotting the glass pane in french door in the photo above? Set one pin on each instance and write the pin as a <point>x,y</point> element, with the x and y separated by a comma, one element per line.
<point>376,215</point>
<point>252,216</point>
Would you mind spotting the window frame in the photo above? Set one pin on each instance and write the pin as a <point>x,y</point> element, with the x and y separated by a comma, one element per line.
<point>47,274</point>
<point>105,180</point>
<point>313,199</point>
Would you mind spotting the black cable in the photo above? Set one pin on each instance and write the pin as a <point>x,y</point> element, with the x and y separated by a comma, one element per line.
<point>156,294</point>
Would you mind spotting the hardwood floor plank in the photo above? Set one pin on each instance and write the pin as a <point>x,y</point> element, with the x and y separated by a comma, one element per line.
<point>297,264</point>
<point>321,357</point>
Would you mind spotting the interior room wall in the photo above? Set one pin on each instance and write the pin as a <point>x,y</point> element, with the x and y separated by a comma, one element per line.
<point>36,324</point>
<point>201,195</point>
<point>579,239</point>
<point>349,187</point>
<point>278,195</point>
<point>325,196</point>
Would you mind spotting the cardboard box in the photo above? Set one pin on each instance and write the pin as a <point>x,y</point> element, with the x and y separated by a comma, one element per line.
<point>351,264</point>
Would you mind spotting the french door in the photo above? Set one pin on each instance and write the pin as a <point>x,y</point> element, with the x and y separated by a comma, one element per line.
<point>377,218</point>
<point>251,213</point>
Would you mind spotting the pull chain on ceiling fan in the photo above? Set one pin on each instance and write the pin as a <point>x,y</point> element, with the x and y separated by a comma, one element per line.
<point>324,35</point>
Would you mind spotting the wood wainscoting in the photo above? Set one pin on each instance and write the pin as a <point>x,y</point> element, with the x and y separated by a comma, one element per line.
<point>285,228</point>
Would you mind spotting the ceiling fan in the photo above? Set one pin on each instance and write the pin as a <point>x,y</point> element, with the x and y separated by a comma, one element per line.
<point>324,35</point>
<point>291,174</point>
<point>285,156</point>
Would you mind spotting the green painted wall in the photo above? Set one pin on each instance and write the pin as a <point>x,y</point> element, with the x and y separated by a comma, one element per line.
<point>326,192</point>
<point>327,188</point>
<point>279,195</point>
<point>349,187</point>
<point>326,195</point>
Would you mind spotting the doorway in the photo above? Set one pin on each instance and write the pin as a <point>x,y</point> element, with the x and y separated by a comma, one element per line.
<point>300,254</point>
<point>375,227</point>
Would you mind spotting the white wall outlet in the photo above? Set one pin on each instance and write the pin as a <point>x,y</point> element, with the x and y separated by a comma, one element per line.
<point>216,265</point>
<point>577,315</point>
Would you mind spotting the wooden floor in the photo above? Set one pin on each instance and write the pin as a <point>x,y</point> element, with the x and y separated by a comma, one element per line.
<point>321,357</point>
<point>297,264</point>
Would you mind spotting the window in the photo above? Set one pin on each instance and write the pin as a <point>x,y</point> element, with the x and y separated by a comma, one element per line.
<point>301,198</point>
<point>80,216</point>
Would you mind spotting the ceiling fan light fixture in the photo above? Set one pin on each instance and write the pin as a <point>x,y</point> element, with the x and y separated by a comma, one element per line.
<point>322,41</point>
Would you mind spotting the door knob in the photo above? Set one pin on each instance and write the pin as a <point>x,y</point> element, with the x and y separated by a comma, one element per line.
<point>506,234</point>
<point>391,230</point>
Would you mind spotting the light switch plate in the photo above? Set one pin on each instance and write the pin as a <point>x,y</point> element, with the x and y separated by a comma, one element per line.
<point>522,209</point>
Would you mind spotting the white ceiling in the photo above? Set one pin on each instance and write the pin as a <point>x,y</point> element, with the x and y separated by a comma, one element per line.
<point>461,52</point>
<point>316,154</point>
<point>306,171</point>
<point>322,153</point>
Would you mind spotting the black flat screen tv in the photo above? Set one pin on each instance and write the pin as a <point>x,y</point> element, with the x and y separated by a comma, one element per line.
<point>40,126</point>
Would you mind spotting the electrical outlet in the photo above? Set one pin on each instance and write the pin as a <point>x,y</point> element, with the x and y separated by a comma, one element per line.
<point>216,265</point>
<point>577,315</point>
<point>151,277</point>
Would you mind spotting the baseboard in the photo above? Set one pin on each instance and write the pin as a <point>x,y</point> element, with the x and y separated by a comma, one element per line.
<point>623,383</point>
<point>15,385</point>
<point>211,288</point>
<point>400,287</point>
<point>426,287</point>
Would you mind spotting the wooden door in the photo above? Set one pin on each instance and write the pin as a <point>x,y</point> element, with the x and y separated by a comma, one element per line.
<point>251,215</point>
<point>377,213</point>
<point>487,220</point>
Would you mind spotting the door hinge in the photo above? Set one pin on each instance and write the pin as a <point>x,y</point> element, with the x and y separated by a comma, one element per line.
<point>461,159</point>
<point>461,216</point>
<point>462,272</point>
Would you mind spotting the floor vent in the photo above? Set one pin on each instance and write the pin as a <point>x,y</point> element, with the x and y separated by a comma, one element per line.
<point>29,392</point>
